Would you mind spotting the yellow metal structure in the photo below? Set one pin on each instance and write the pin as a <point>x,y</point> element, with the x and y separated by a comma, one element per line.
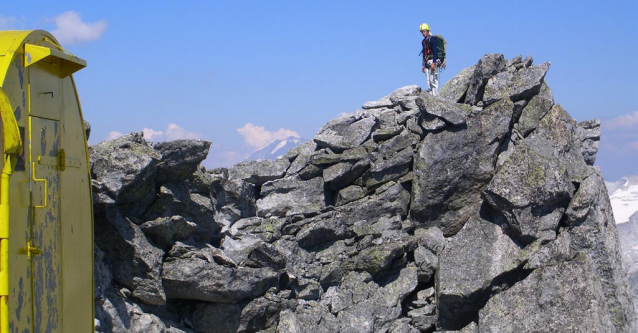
<point>46,218</point>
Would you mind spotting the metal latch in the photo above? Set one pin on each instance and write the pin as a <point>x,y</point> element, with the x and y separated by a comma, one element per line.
<point>30,250</point>
<point>61,161</point>
<point>67,161</point>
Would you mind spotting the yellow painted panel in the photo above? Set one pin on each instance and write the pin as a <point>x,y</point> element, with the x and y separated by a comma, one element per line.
<point>52,291</point>
<point>76,213</point>
<point>20,294</point>
<point>45,227</point>
<point>45,93</point>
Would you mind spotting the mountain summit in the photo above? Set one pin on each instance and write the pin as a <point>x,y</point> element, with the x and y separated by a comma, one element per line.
<point>476,211</point>
<point>276,149</point>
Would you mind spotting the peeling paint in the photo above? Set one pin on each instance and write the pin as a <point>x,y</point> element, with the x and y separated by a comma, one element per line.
<point>49,217</point>
<point>56,142</point>
<point>20,298</point>
<point>46,230</point>
<point>17,113</point>
<point>43,140</point>
<point>37,291</point>
<point>18,64</point>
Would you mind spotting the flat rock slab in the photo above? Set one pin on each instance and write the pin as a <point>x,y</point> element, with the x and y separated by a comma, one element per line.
<point>198,279</point>
<point>453,113</point>
<point>259,172</point>
<point>291,195</point>
<point>515,86</point>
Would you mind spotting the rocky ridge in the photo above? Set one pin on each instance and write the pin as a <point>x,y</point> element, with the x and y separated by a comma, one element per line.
<point>475,211</point>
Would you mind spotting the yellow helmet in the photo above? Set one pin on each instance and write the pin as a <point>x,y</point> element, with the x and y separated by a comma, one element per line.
<point>424,26</point>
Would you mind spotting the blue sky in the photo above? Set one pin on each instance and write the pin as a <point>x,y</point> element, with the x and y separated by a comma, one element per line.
<point>242,73</point>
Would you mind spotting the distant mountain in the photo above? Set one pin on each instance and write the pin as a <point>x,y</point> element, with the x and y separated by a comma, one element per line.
<point>624,197</point>
<point>276,148</point>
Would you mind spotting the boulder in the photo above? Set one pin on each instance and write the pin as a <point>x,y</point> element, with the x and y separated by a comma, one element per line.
<point>258,172</point>
<point>234,198</point>
<point>453,113</point>
<point>125,170</point>
<point>177,200</point>
<point>351,136</point>
<point>452,168</point>
<point>165,231</point>
<point>532,113</point>
<point>291,195</point>
<point>589,133</point>
<point>488,66</point>
<point>136,263</point>
<point>195,277</point>
<point>522,84</point>
<point>454,90</point>
<point>180,158</point>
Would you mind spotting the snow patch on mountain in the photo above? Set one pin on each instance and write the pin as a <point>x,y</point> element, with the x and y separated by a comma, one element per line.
<point>279,146</point>
<point>623,195</point>
<point>276,149</point>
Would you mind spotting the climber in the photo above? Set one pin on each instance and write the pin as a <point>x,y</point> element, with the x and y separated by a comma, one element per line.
<point>430,59</point>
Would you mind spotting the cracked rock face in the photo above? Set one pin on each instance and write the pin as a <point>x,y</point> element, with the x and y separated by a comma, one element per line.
<point>475,211</point>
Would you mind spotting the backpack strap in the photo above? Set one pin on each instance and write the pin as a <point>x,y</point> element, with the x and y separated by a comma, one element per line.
<point>426,51</point>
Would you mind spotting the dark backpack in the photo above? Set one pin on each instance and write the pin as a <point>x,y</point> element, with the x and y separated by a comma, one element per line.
<point>441,45</point>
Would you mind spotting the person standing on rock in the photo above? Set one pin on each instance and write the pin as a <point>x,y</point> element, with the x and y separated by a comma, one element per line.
<point>430,59</point>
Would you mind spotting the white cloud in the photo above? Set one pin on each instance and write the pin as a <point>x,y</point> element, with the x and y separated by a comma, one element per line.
<point>627,121</point>
<point>70,29</point>
<point>258,137</point>
<point>172,132</point>
<point>149,133</point>
<point>114,135</point>
<point>175,132</point>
